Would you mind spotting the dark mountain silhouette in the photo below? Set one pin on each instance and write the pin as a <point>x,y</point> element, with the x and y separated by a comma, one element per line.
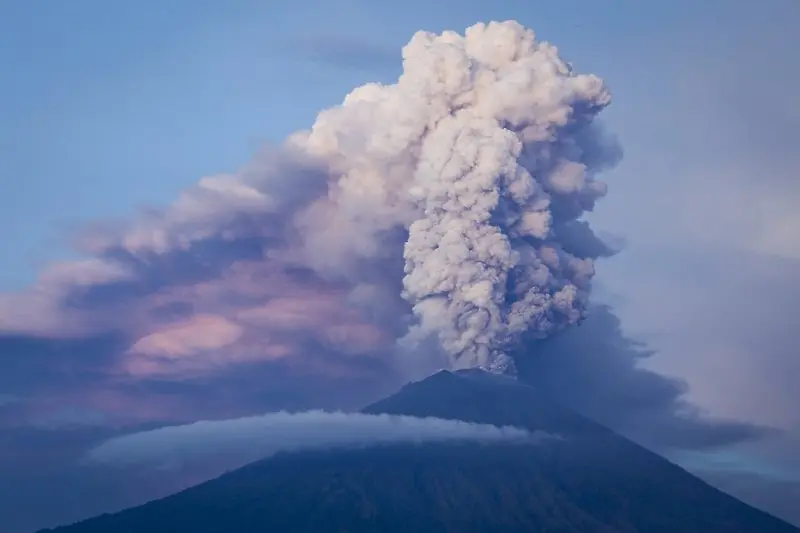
<point>589,480</point>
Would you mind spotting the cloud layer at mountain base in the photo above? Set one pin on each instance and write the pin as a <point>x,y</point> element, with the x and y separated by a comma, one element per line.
<point>244,440</point>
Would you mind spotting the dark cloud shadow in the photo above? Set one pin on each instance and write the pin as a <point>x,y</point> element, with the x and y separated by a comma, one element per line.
<point>77,382</point>
<point>28,360</point>
<point>595,369</point>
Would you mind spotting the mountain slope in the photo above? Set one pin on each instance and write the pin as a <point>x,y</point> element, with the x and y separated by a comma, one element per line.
<point>589,480</point>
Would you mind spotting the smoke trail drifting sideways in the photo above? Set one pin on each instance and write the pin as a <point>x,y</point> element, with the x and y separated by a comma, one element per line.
<point>486,151</point>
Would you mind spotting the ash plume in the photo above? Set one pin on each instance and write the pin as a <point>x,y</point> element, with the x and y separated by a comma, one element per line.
<point>486,151</point>
<point>443,209</point>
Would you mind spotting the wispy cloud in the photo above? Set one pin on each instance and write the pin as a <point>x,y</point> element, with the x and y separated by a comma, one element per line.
<point>343,51</point>
<point>8,399</point>
<point>69,418</point>
<point>251,438</point>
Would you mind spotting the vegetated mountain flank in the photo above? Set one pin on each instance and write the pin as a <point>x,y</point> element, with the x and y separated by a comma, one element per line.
<point>590,480</point>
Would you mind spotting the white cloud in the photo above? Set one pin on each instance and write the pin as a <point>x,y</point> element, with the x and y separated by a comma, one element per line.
<point>251,438</point>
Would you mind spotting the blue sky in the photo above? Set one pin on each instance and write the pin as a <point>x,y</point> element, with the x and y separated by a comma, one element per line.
<point>107,108</point>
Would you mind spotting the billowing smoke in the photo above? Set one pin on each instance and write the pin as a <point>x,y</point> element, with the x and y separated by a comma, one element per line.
<point>486,152</point>
<point>444,208</point>
<point>247,439</point>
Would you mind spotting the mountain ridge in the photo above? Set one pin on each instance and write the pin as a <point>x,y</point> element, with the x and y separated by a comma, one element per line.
<point>589,480</point>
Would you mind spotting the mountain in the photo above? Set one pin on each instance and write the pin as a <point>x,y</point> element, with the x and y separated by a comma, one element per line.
<point>587,480</point>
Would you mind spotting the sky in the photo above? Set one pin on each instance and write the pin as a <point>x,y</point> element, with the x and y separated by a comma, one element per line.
<point>690,348</point>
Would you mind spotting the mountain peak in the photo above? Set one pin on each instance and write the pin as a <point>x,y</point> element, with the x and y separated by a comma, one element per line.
<point>500,364</point>
<point>590,480</point>
<point>498,378</point>
<point>474,395</point>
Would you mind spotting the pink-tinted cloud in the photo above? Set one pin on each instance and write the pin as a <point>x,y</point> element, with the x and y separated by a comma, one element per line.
<point>326,315</point>
<point>186,338</point>
<point>38,310</point>
<point>215,283</point>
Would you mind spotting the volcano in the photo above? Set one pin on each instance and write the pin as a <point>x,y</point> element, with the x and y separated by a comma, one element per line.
<point>586,479</point>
